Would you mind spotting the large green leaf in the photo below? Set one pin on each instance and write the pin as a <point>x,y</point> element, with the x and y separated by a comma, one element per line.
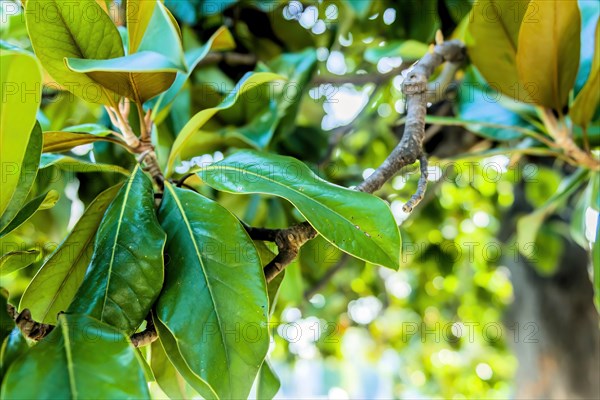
<point>81,359</point>
<point>191,132</point>
<point>41,202</point>
<point>357,223</point>
<point>492,43</point>
<point>60,30</point>
<point>16,260</point>
<point>61,141</point>
<point>163,36</point>
<point>126,271</point>
<point>73,164</point>
<point>27,174</point>
<point>586,103</point>
<point>214,301</point>
<point>220,40</point>
<point>54,285</point>
<point>138,76</point>
<point>548,55</point>
<point>20,79</point>
<point>13,346</point>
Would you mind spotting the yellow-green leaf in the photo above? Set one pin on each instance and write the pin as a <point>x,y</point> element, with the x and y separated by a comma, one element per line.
<point>59,30</point>
<point>548,51</point>
<point>492,40</point>
<point>16,260</point>
<point>20,79</point>
<point>586,102</point>
<point>139,13</point>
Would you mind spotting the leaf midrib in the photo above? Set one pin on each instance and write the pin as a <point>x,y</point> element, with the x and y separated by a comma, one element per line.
<point>203,268</point>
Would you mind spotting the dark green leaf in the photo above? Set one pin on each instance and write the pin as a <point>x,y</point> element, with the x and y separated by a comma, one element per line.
<point>54,285</point>
<point>221,330</point>
<point>80,359</point>
<point>357,223</point>
<point>73,164</point>
<point>13,346</point>
<point>126,271</point>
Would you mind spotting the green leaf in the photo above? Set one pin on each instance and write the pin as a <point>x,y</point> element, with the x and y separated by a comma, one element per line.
<point>19,72</point>
<point>163,36</point>
<point>73,164</point>
<point>61,141</point>
<point>268,383</point>
<point>42,202</point>
<point>529,225</point>
<point>6,322</point>
<point>220,40</point>
<point>13,346</point>
<point>221,330</point>
<point>138,76</point>
<point>548,55</point>
<point>81,358</point>
<point>53,287</point>
<point>407,49</point>
<point>487,117</point>
<point>27,175</point>
<point>586,103</point>
<point>355,222</point>
<point>190,134</point>
<point>596,263</point>
<point>61,30</point>
<point>16,260</point>
<point>171,348</point>
<point>125,274</point>
<point>492,41</point>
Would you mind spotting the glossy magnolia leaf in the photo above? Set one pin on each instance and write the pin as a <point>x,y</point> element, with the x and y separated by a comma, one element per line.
<point>138,76</point>
<point>139,13</point>
<point>42,202</point>
<point>211,256</point>
<point>492,43</point>
<point>52,288</point>
<point>529,225</point>
<point>61,141</point>
<point>220,40</point>
<point>184,144</point>
<point>171,348</point>
<point>73,164</point>
<point>16,260</point>
<point>548,55</point>
<point>125,274</point>
<point>19,72</point>
<point>355,222</point>
<point>27,173</point>
<point>586,103</point>
<point>474,106</point>
<point>13,347</point>
<point>80,359</point>
<point>268,383</point>
<point>60,30</point>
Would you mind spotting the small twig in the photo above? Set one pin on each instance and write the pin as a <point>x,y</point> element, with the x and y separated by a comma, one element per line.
<point>146,336</point>
<point>229,58</point>
<point>180,182</point>
<point>421,186</point>
<point>30,328</point>
<point>359,79</point>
